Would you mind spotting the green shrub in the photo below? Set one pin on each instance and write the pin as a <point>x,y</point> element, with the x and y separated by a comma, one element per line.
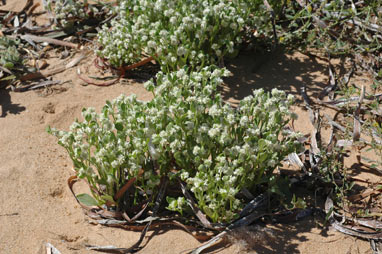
<point>185,131</point>
<point>9,54</point>
<point>69,13</point>
<point>175,33</point>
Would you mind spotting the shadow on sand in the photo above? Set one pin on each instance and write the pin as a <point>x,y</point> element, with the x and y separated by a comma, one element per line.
<point>281,238</point>
<point>6,105</point>
<point>279,69</point>
<point>276,238</point>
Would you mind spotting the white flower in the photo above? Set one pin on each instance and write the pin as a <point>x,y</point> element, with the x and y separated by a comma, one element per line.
<point>277,93</point>
<point>81,172</point>
<point>239,171</point>
<point>184,175</point>
<point>74,126</point>
<point>290,98</point>
<point>181,51</point>
<point>232,180</point>
<point>233,26</point>
<point>231,118</point>
<point>180,74</point>
<point>214,110</point>
<point>65,139</point>
<point>212,206</point>
<point>232,192</point>
<point>271,163</point>
<point>196,150</point>
<point>173,20</point>
<point>244,121</point>
<point>223,191</point>
<point>213,132</point>
<point>114,164</point>
<point>153,152</point>
<point>151,44</point>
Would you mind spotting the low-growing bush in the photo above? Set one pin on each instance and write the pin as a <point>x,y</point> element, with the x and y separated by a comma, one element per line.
<point>9,54</point>
<point>185,132</point>
<point>175,33</point>
<point>69,13</point>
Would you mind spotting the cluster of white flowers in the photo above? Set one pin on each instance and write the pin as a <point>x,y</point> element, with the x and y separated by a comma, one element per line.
<point>176,205</point>
<point>68,12</point>
<point>175,33</point>
<point>188,129</point>
<point>111,147</point>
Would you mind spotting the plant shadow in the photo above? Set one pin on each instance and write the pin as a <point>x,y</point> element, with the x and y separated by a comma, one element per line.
<point>267,235</point>
<point>6,105</point>
<point>277,238</point>
<point>288,71</point>
<point>143,73</point>
<point>358,168</point>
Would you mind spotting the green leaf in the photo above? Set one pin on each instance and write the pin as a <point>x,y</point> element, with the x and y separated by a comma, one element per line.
<point>178,156</point>
<point>123,107</point>
<point>8,78</point>
<point>86,199</point>
<point>9,65</point>
<point>108,198</point>
<point>262,157</point>
<point>118,126</point>
<point>328,215</point>
<point>262,144</point>
<point>88,117</point>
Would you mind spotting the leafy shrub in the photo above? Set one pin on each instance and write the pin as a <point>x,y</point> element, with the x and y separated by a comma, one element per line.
<point>69,13</point>
<point>186,131</point>
<point>328,24</point>
<point>175,33</point>
<point>9,54</point>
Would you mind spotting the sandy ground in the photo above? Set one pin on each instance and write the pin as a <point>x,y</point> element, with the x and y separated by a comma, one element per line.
<point>36,206</point>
